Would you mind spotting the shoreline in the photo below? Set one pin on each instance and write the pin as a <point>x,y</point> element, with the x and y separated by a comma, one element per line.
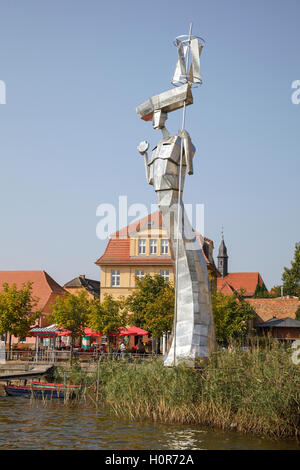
<point>255,392</point>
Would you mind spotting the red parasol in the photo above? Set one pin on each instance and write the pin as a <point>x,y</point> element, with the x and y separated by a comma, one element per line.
<point>63,333</point>
<point>87,332</point>
<point>133,331</point>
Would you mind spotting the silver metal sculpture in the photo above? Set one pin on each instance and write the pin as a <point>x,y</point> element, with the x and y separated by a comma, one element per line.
<point>2,352</point>
<point>193,330</point>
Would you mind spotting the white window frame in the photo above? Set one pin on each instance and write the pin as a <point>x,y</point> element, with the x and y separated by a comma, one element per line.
<point>164,247</point>
<point>140,274</point>
<point>153,247</point>
<point>115,278</point>
<point>142,246</point>
<point>165,273</point>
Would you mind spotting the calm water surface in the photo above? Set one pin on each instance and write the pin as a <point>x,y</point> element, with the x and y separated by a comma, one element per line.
<point>26,425</point>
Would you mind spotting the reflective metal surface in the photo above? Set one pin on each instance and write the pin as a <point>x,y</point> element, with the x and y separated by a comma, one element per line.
<point>171,158</point>
<point>183,72</point>
<point>168,101</point>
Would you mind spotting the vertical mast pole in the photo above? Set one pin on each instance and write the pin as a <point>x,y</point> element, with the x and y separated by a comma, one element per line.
<point>179,196</point>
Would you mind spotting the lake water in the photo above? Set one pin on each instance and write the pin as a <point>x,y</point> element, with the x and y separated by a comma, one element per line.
<point>26,425</point>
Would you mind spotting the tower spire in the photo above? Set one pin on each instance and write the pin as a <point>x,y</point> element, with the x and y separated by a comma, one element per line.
<point>223,257</point>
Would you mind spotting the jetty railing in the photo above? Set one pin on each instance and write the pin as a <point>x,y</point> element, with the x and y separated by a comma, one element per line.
<point>50,356</point>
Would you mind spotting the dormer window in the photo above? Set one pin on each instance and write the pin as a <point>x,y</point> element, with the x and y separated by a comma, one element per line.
<point>164,247</point>
<point>142,247</point>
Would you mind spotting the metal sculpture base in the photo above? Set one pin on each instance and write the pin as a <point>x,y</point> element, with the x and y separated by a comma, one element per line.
<point>194,336</point>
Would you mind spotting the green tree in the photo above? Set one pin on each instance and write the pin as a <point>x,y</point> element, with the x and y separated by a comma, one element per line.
<point>159,314</point>
<point>291,276</point>
<point>107,317</point>
<point>261,292</point>
<point>275,292</point>
<point>71,313</point>
<point>298,314</point>
<point>17,310</point>
<point>152,305</point>
<point>232,315</point>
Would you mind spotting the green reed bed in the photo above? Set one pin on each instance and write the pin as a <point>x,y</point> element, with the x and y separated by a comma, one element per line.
<point>256,390</point>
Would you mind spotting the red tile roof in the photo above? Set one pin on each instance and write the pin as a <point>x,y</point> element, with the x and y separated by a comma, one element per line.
<point>224,287</point>
<point>43,285</point>
<point>236,281</point>
<point>155,218</point>
<point>118,251</point>
<point>156,222</point>
<point>279,307</point>
<point>118,248</point>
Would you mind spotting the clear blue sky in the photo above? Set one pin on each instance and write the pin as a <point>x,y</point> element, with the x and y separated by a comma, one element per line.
<point>75,71</point>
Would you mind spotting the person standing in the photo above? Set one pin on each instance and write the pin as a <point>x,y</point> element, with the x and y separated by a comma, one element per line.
<point>140,348</point>
<point>123,349</point>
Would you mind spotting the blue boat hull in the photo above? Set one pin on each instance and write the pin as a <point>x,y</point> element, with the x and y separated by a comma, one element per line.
<point>37,393</point>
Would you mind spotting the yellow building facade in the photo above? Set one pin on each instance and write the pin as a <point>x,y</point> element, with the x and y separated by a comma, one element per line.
<point>139,249</point>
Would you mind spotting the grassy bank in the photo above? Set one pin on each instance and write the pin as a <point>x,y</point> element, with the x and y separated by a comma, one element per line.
<point>254,391</point>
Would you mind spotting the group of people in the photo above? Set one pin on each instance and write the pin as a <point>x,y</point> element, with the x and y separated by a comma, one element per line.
<point>122,349</point>
<point>119,350</point>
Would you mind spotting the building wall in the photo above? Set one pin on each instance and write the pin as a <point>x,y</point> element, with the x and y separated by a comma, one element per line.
<point>77,290</point>
<point>282,333</point>
<point>127,278</point>
<point>128,271</point>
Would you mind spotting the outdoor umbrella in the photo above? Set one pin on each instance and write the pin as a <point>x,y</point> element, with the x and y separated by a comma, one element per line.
<point>87,332</point>
<point>63,333</point>
<point>133,331</point>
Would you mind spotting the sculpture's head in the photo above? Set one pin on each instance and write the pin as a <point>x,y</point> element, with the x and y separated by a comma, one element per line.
<point>156,108</point>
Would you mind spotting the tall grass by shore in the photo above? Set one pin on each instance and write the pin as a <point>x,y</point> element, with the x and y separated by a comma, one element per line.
<point>251,391</point>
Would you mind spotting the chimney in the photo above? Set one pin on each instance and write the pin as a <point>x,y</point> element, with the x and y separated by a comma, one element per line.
<point>82,276</point>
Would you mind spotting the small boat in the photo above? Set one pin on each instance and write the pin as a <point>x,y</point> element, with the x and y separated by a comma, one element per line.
<point>43,390</point>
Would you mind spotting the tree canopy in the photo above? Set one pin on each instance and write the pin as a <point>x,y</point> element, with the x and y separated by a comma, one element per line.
<point>71,313</point>
<point>152,305</point>
<point>17,309</point>
<point>291,276</point>
<point>231,315</point>
<point>261,292</point>
<point>106,317</point>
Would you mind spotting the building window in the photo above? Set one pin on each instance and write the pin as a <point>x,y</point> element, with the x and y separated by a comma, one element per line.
<point>153,247</point>
<point>142,247</point>
<point>164,247</point>
<point>165,274</point>
<point>140,274</point>
<point>115,278</point>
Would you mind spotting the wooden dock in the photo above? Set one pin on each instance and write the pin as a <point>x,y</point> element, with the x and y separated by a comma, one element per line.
<point>13,371</point>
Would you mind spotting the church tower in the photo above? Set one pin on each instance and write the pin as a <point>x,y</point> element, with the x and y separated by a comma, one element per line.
<point>223,258</point>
